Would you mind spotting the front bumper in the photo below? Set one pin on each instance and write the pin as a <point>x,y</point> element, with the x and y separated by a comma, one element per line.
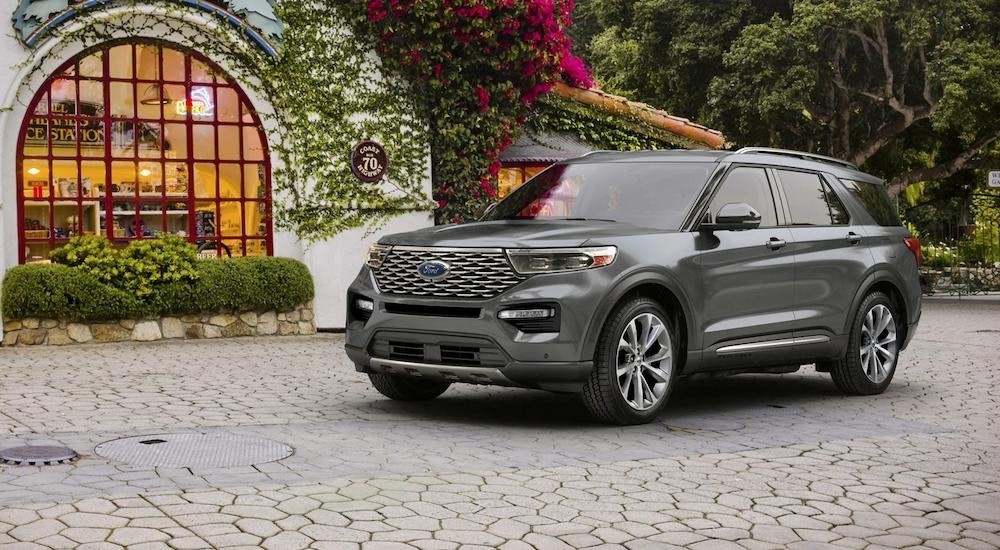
<point>462,340</point>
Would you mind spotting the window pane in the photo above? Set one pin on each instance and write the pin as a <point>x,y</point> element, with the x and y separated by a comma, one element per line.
<point>92,178</point>
<point>256,218</point>
<point>36,179</point>
<point>748,185</point>
<point>876,200</point>
<point>229,143</point>
<point>253,176</point>
<point>253,149</point>
<point>122,99</point>
<point>227,105</point>
<point>92,97</point>
<point>808,200</point>
<point>175,141</point>
<point>65,179</point>
<point>230,185</point>
<point>232,218</point>
<point>173,65</point>
<point>123,179</point>
<point>121,61</point>
<point>91,134</point>
<point>92,66</point>
<point>204,141</point>
<point>176,179</point>
<point>205,181</point>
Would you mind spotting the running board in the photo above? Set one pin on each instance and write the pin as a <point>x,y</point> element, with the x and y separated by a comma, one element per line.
<point>771,344</point>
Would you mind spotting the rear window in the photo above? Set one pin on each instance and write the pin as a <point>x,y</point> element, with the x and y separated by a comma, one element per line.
<point>876,200</point>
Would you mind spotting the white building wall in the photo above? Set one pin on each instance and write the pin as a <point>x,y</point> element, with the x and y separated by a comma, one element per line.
<point>334,263</point>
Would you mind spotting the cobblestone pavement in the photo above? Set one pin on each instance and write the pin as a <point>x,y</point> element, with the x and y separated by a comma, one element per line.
<point>754,461</point>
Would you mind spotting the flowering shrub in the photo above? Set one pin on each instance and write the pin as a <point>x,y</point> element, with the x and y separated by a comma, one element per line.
<point>479,66</point>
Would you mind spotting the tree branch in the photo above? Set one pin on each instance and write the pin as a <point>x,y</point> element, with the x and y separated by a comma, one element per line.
<point>965,159</point>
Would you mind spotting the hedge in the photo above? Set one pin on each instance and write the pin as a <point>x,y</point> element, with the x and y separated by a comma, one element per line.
<point>54,291</point>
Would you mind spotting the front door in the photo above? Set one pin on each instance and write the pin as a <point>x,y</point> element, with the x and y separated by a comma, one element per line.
<point>749,279</point>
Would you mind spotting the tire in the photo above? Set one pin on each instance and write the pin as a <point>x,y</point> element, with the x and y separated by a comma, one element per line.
<point>866,368</point>
<point>620,342</point>
<point>402,388</point>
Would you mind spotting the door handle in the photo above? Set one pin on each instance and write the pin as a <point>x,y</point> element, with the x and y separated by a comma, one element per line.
<point>853,238</point>
<point>774,243</point>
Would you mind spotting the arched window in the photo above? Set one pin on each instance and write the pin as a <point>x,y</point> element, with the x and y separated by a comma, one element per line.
<point>129,140</point>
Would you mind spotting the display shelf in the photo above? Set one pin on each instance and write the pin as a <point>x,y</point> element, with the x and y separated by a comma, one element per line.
<point>147,212</point>
<point>152,194</point>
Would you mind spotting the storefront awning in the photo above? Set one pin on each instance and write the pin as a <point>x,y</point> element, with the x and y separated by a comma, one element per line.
<point>543,147</point>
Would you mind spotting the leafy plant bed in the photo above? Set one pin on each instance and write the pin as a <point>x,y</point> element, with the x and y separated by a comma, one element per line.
<point>141,290</point>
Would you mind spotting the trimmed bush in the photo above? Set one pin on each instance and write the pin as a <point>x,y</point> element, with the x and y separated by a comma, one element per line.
<point>139,268</point>
<point>54,291</point>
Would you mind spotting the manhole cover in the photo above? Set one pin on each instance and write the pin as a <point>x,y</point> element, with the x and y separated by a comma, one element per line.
<point>33,455</point>
<point>194,450</point>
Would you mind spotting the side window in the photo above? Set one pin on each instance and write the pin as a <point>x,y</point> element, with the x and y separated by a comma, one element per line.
<point>748,185</point>
<point>810,201</point>
<point>876,201</point>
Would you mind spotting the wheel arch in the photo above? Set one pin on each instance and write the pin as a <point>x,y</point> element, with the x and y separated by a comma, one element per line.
<point>882,281</point>
<point>656,286</point>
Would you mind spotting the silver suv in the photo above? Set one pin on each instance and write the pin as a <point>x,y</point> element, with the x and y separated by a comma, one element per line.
<point>614,273</point>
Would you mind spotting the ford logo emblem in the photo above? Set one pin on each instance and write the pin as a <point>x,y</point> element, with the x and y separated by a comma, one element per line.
<point>433,270</point>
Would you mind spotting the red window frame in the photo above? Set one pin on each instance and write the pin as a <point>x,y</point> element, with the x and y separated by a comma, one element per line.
<point>166,202</point>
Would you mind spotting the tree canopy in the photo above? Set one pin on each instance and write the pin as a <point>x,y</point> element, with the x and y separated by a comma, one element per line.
<point>908,88</point>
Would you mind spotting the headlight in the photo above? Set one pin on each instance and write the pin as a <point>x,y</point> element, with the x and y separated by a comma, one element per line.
<point>376,255</point>
<point>550,260</point>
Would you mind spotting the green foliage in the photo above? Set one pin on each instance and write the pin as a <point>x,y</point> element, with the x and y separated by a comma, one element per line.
<point>137,269</point>
<point>908,88</point>
<point>475,67</point>
<point>938,255</point>
<point>55,291</point>
<point>326,92</point>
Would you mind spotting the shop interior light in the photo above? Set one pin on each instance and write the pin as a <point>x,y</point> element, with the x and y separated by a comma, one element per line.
<point>155,95</point>
<point>365,304</point>
<point>145,172</point>
<point>34,171</point>
<point>532,313</point>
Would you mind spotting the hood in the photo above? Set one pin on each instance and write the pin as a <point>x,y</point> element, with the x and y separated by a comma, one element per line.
<point>518,234</point>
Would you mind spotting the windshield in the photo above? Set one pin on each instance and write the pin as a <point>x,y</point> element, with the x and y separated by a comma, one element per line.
<point>645,194</point>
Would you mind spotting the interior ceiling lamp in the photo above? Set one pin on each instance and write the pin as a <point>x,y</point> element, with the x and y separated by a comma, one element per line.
<point>155,94</point>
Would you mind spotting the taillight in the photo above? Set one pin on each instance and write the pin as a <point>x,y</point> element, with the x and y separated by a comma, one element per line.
<point>914,245</point>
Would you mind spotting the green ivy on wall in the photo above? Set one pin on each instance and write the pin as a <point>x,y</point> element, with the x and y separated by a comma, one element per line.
<point>326,91</point>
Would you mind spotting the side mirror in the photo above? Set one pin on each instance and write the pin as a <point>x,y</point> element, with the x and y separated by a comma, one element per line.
<point>733,216</point>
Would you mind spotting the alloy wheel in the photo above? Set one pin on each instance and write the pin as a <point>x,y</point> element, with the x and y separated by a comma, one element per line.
<point>644,361</point>
<point>878,343</point>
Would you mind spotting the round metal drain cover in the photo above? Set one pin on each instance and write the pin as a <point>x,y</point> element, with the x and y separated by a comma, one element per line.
<point>194,450</point>
<point>33,455</point>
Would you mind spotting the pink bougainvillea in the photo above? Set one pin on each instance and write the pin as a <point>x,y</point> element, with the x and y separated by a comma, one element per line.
<point>479,65</point>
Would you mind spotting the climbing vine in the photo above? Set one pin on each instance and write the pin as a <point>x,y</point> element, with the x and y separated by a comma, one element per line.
<point>326,92</point>
<point>476,68</point>
<point>447,80</point>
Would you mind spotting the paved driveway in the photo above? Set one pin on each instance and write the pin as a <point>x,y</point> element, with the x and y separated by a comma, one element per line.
<point>742,462</point>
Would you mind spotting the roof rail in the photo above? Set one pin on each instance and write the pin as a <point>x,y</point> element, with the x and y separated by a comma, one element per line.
<point>799,154</point>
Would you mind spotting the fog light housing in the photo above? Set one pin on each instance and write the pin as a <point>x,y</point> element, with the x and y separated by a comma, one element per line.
<point>532,318</point>
<point>523,314</point>
<point>364,304</point>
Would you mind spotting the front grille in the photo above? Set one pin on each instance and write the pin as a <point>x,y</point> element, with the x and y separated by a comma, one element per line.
<point>433,311</point>
<point>474,273</point>
<point>436,349</point>
<point>406,351</point>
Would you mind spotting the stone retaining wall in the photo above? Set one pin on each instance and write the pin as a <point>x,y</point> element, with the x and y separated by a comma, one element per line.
<point>52,332</point>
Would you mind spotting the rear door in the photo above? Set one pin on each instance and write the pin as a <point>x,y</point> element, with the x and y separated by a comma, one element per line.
<point>831,258</point>
<point>748,277</point>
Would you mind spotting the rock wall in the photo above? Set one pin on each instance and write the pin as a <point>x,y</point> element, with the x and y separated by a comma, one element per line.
<point>52,332</point>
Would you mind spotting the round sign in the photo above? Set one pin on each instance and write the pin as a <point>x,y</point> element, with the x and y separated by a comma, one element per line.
<point>369,161</point>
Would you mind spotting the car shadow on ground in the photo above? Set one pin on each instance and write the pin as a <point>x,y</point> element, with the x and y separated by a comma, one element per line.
<point>705,399</point>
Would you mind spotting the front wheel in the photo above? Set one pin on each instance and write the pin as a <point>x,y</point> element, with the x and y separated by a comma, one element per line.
<point>402,388</point>
<point>634,366</point>
<point>872,349</point>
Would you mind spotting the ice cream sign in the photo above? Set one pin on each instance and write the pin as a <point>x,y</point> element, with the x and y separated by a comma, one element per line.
<point>198,105</point>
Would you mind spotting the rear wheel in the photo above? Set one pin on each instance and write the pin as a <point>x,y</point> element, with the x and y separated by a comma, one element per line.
<point>402,388</point>
<point>872,349</point>
<point>634,366</point>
